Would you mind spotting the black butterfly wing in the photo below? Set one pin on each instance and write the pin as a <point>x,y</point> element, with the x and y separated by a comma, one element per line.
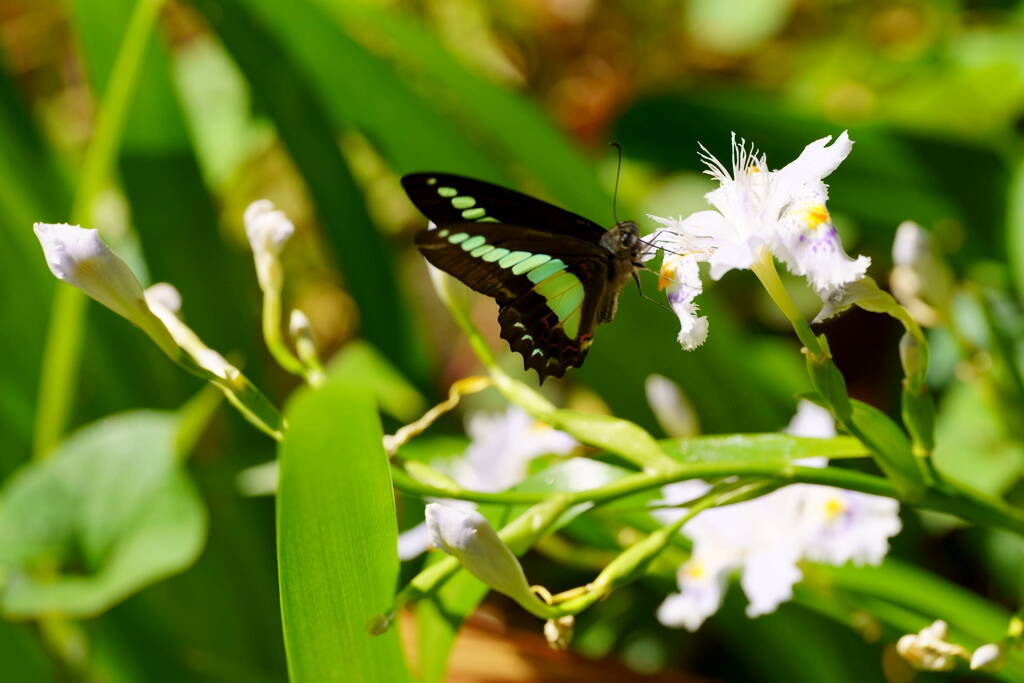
<point>548,287</point>
<point>446,198</point>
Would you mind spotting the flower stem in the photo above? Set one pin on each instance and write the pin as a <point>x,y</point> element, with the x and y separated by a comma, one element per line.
<point>62,352</point>
<point>764,269</point>
<point>966,506</point>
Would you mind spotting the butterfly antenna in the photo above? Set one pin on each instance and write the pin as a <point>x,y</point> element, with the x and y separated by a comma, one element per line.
<point>618,172</point>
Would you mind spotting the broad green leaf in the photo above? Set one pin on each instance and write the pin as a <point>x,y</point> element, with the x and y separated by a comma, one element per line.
<point>22,655</point>
<point>336,540</point>
<point>112,507</point>
<point>359,364</point>
<point>770,447</point>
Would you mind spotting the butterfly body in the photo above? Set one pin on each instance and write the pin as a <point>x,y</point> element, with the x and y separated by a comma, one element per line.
<point>554,275</point>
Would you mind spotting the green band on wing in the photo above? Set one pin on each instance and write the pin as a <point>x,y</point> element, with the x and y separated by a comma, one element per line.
<point>458,237</point>
<point>495,255</point>
<point>473,214</point>
<point>480,251</point>
<point>564,294</point>
<point>542,272</point>
<point>463,202</point>
<point>447,191</point>
<point>444,232</point>
<point>474,242</point>
<point>488,219</point>
<point>530,263</point>
<point>514,258</point>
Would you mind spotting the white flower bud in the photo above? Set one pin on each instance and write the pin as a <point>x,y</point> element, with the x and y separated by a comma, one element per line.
<point>471,539</point>
<point>989,657</point>
<point>268,231</point>
<point>79,257</point>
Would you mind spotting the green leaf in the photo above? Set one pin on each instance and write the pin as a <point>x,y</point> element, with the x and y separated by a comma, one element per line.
<point>336,540</point>
<point>1015,227</point>
<point>112,500</point>
<point>891,447</point>
<point>360,364</point>
<point>771,447</point>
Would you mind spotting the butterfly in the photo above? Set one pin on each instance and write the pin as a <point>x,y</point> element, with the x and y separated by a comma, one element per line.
<point>555,275</point>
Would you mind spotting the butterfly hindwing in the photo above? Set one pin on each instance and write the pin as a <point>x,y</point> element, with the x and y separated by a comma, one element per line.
<point>548,287</point>
<point>446,198</point>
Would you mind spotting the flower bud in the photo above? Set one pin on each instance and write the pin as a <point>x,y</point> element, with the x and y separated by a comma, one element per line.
<point>471,539</point>
<point>989,657</point>
<point>268,231</point>
<point>79,257</point>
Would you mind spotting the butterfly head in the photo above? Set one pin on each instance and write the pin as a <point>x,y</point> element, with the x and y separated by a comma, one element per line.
<point>624,241</point>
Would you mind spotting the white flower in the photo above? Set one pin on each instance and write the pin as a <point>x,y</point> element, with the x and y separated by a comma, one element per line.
<point>502,445</point>
<point>765,539</point>
<point>268,231</point>
<point>80,258</point>
<point>755,209</point>
<point>470,538</point>
<point>928,650</point>
<point>989,657</point>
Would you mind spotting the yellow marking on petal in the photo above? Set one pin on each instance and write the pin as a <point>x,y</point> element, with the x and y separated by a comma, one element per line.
<point>813,215</point>
<point>539,426</point>
<point>754,168</point>
<point>834,507</point>
<point>694,569</point>
<point>667,276</point>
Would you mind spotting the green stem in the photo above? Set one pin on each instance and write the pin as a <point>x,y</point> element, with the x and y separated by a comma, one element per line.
<point>62,352</point>
<point>632,563</point>
<point>764,269</point>
<point>965,505</point>
<point>272,335</point>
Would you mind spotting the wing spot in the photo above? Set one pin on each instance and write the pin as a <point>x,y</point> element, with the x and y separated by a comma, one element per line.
<point>463,202</point>
<point>519,325</point>
<point>530,263</point>
<point>495,255</point>
<point>431,181</point>
<point>479,251</point>
<point>537,352</point>
<point>473,214</point>
<point>487,219</point>
<point>514,258</point>
<point>542,272</point>
<point>473,242</point>
<point>444,232</point>
<point>458,237</point>
<point>526,337</point>
<point>447,192</point>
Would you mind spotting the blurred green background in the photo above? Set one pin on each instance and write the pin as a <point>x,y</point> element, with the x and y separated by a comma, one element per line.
<point>321,105</point>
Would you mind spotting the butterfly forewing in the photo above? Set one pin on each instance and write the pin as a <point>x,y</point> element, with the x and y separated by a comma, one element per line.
<point>548,286</point>
<point>446,198</point>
